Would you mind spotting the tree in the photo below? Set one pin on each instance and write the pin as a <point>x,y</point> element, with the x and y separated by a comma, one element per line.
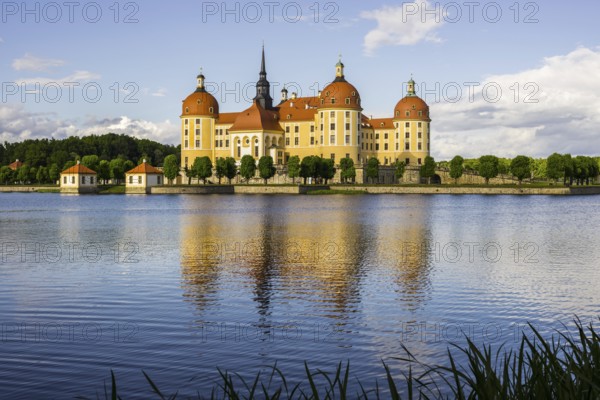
<point>488,167</point>
<point>347,169</point>
<point>23,174</point>
<point>555,167</point>
<point>117,170</point>
<point>569,168</point>
<point>373,169</point>
<point>247,167</point>
<point>189,173</point>
<point>293,168</point>
<point>231,168</point>
<point>327,169</point>
<point>53,173</point>
<point>202,168</point>
<point>456,168</point>
<point>103,171</point>
<point>221,168</point>
<point>520,167</point>
<point>91,161</point>
<point>42,175</point>
<point>305,167</point>
<point>428,169</point>
<point>399,169</point>
<point>69,164</point>
<point>266,169</point>
<point>6,175</point>
<point>171,168</point>
<point>128,165</point>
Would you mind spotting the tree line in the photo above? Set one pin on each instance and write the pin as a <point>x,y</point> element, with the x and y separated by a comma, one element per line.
<point>110,155</point>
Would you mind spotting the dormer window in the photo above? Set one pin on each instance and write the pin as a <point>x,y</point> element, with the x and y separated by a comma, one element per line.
<point>327,93</point>
<point>347,100</point>
<point>322,101</point>
<point>353,94</point>
<point>211,110</point>
<point>187,110</point>
<point>397,113</point>
<point>408,113</point>
<point>333,100</point>
<point>420,113</point>
<point>289,116</point>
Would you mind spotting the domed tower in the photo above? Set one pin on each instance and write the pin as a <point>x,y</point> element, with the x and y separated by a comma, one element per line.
<point>338,118</point>
<point>199,113</point>
<point>263,87</point>
<point>412,123</point>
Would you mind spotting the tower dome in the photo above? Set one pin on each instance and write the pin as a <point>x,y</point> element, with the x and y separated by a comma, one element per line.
<point>340,93</point>
<point>411,106</point>
<point>200,103</point>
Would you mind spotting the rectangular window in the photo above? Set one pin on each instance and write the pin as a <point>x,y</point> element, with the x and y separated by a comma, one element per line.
<point>312,140</point>
<point>83,180</point>
<point>420,124</point>
<point>347,139</point>
<point>227,132</point>
<point>186,132</point>
<point>407,146</point>
<point>65,180</point>
<point>407,161</point>
<point>397,147</point>
<point>385,146</point>
<point>221,143</point>
<point>377,147</point>
<point>322,139</point>
<point>347,126</point>
<point>186,144</point>
<point>287,141</point>
<point>420,135</point>
<point>197,144</point>
<point>419,146</point>
<point>197,121</point>
<point>407,125</point>
<point>397,135</point>
<point>419,161</point>
<point>186,121</point>
<point>197,132</point>
<point>296,129</point>
<point>332,139</point>
<point>227,143</point>
<point>73,180</point>
<point>92,180</point>
<point>332,114</point>
<point>131,179</point>
<point>216,143</point>
<point>332,126</point>
<point>347,114</point>
<point>371,146</point>
<point>377,136</point>
<point>385,136</point>
<point>140,179</point>
<point>312,128</point>
<point>287,129</point>
<point>321,127</point>
<point>186,161</point>
<point>407,135</point>
<point>296,141</point>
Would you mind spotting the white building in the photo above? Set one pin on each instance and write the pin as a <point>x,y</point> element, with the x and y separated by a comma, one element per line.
<point>142,178</point>
<point>78,179</point>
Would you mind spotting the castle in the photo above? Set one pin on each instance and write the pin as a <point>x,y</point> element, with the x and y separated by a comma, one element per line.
<point>330,125</point>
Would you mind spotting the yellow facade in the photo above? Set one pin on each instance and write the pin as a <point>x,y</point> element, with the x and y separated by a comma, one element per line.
<point>330,125</point>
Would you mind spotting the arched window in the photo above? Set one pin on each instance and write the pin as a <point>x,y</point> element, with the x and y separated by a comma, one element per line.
<point>255,147</point>
<point>211,110</point>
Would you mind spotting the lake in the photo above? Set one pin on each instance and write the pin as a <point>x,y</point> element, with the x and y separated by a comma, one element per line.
<point>180,285</point>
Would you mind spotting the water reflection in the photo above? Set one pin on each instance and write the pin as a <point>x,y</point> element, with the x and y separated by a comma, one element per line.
<point>306,254</point>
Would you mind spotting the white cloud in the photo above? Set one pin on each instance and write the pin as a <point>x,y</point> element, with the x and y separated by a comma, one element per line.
<point>32,63</point>
<point>561,114</point>
<point>77,76</point>
<point>17,124</point>
<point>403,25</point>
<point>162,92</point>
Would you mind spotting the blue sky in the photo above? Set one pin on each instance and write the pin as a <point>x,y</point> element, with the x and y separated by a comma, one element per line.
<point>543,56</point>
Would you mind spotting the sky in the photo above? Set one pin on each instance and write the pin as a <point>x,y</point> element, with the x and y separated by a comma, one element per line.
<point>503,78</point>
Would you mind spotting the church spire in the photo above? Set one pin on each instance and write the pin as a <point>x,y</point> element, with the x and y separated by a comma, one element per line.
<point>263,87</point>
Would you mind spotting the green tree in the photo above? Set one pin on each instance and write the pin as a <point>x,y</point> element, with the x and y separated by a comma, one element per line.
<point>117,170</point>
<point>305,167</point>
<point>327,169</point>
<point>373,169</point>
<point>293,168</point>
<point>6,175</point>
<point>171,168</point>
<point>69,164</point>
<point>456,168</point>
<point>399,169</point>
<point>555,167</point>
<point>347,170</point>
<point>221,168</point>
<point>53,173</point>
<point>428,169</point>
<point>247,167</point>
<point>202,168</point>
<point>266,168</point>
<point>91,161</point>
<point>231,168</point>
<point>569,168</point>
<point>488,167</point>
<point>189,173</point>
<point>42,175</point>
<point>520,168</point>
<point>23,174</point>
<point>103,171</point>
<point>128,165</point>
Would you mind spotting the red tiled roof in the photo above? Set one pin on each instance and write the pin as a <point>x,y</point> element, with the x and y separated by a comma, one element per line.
<point>382,123</point>
<point>145,168</point>
<point>256,118</point>
<point>227,118</point>
<point>16,165</point>
<point>298,109</point>
<point>79,169</point>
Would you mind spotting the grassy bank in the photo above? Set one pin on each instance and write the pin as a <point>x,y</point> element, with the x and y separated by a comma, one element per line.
<point>334,191</point>
<point>117,189</point>
<point>566,366</point>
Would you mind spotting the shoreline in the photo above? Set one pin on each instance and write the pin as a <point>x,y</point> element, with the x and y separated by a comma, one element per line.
<point>341,189</point>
